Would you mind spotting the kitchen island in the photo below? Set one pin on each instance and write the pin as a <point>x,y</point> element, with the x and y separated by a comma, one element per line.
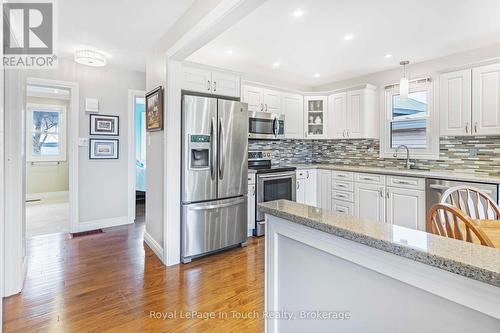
<point>330,272</point>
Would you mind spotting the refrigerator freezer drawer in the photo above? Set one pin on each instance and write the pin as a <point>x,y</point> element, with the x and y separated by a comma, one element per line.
<point>213,225</point>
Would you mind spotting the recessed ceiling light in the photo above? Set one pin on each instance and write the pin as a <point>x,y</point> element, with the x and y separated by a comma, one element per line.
<point>388,55</point>
<point>276,64</point>
<point>316,75</point>
<point>348,37</point>
<point>229,51</point>
<point>298,12</point>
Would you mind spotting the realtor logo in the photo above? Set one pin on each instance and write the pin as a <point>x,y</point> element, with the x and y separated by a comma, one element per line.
<point>28,34</point>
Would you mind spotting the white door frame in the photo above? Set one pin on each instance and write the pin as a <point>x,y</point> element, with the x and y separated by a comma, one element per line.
<point>2,210</point>
<point>132,94</point>
<point>72,142</point>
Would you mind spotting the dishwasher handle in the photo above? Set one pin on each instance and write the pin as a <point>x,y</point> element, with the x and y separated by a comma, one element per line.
<point>443,188</point>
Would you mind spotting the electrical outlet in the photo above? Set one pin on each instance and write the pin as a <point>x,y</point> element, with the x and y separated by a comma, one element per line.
<point>473,152</point>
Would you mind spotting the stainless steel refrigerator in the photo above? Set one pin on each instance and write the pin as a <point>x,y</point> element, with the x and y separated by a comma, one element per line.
<point>214,175</point>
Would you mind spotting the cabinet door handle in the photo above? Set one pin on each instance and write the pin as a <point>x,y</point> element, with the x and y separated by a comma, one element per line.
<point>266,107</point>
<point>347,132</point>
<point>475,127</point>
<point>208,85</point>
<point>298,185</point>
<point>381,193</point>
<point>387,194</point>
<point>307,174</point>
<point>343,133</point>
<point>215,86</point>
<point>467,127</point>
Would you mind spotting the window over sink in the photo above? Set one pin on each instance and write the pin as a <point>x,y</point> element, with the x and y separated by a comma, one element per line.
<point>411,122</point>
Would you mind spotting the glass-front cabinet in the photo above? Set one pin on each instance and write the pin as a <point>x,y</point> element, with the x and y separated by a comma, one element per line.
<point>315,117</point>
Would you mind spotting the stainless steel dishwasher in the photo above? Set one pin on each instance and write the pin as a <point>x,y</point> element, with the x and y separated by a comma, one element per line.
<point>434,189</point>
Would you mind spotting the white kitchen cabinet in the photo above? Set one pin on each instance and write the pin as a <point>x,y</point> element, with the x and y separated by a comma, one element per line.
<point>315,117</point>
<point>324,189</point>
<point>254,97</point>
<point>292,106</point>
<point>344,207</point>
<point>486,100</point>
<point>306,186</point>
<point>337,115</point>
<point>406,207</point>
<point>369,201</point>
<point>251,207</point>
<point>455,103</point>
<point>210,81</point>
<point>272,101</point>
<point>352,114</point>
<point>196,79</point>
<point>225,84</point>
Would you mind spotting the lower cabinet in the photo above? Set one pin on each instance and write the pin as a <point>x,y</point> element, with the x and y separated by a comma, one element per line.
<point>306,187</point>
<point>300,191</point>
<point>344,207</point>
<point>251,204</point>
<point>406,208</point>
<point>324,189</point>
<point>369,201</point>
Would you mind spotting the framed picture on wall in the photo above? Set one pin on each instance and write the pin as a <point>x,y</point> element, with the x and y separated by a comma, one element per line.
<point>154,110</point>
<point>104,149</point>
<point>104,125</point>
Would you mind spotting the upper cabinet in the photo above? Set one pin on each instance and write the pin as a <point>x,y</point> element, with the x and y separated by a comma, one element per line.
<point>210,81</point>
<point>262,99</point>
<point>292,106</point>
<point>315,117</point>
<point>352,115</point>
<point>470,101</point>
<point>486,100</point>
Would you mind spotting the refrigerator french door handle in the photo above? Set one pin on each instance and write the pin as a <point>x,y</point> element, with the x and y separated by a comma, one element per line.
<point>222,157</point>
<point>212,149</point>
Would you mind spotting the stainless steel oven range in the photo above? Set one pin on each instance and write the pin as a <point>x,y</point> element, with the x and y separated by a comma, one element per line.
<point>272,183</point>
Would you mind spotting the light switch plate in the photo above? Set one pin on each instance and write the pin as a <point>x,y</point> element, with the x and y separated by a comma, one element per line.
<point>83,142</point>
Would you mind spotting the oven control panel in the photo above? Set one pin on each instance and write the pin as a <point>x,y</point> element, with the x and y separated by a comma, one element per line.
<point>260,155</point>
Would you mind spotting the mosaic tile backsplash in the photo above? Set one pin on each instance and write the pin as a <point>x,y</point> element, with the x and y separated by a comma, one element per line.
<point>454,153</point>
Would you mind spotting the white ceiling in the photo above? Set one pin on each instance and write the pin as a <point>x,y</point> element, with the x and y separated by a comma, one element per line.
<point>314,43</point>
<point>124,30</point>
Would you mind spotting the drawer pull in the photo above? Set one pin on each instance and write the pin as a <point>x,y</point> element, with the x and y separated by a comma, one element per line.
<point>368,178</point>
<point>341,185</point>
<point>403,182</point>
<point>341,196</point>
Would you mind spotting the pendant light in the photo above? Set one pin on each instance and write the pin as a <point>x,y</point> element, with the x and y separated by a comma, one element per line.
<point>404,84</point>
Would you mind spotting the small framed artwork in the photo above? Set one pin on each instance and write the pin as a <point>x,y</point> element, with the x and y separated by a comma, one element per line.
<point>104,125</point>
<point>103,149</point>
<point>154,110</point>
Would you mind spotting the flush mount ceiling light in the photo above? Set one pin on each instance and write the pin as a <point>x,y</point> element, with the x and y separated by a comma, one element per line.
<point>316,75</point>
<point>298,12</point>
<point>90,58</point>
<point>388,55</point>
<point>276,64</point>
<point>229,51</point>
<point>348,37</point>
<point>404,84</point>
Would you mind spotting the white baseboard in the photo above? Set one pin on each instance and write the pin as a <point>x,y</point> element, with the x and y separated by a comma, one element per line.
<point>59,196</point>
<point>153,245</point>
<point>103,223</point>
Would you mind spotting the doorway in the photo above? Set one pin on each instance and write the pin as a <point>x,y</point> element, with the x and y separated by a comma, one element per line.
<point>137,153</point>
<point>47,165</point>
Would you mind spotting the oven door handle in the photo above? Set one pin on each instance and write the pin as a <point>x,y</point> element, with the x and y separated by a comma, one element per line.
<point>277,175</point>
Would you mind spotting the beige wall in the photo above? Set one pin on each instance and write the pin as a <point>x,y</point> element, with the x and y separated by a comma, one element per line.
<point>46,177</point>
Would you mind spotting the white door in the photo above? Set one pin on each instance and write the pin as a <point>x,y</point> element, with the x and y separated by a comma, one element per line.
<point>455,103</point>
<point>344,207</point>
<point>355,100</point>
<point>226,84</point>
<point>486,100</point>
<point>406,208</point>
<point>272,101</point>
<point>196,79</point>
<point>337,116</point>
<point>254,97</point>
<point>324,189</point>
<point>251,207</point>
<point>292,107</point>
<point>311,181</point>
<point>369,202</point>
<point>300,192</point>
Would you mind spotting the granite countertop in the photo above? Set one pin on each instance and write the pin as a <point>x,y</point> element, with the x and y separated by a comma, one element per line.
<point>450,175</point>
<point>473,261</point>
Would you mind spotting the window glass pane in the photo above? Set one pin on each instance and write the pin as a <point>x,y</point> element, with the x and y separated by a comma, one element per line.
<point>411,133</point>
<point>413,106</point>
<point>46,144</point>
<point>46,121</point>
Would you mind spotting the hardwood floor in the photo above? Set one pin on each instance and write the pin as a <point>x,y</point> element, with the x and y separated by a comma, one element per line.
<point>111,282</point>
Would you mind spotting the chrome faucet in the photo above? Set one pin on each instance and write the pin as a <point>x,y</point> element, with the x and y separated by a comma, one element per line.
<point>408,164</point>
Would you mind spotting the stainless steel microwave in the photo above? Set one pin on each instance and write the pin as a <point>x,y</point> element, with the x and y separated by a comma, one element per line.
<point>265,125</point>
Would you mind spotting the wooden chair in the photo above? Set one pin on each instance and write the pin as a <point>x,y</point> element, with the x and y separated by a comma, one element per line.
<point>474,202</point>
<point>449,221</point>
